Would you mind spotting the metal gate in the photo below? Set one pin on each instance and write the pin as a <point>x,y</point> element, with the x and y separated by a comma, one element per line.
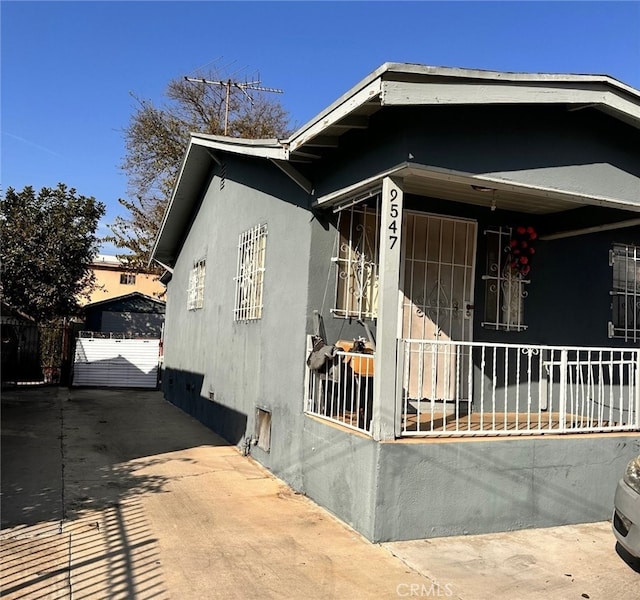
<point>116,362</point>
<point>439,259</point>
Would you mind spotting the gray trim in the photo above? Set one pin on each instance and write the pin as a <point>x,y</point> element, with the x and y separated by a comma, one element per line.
<point>555,200</point>
<point>595,229</point>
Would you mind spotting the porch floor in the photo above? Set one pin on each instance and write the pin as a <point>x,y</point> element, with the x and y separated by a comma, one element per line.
<point>486,423</point>
<point>499,421</point>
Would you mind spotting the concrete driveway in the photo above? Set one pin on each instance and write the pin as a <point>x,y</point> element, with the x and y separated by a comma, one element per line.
<point>118,494</point>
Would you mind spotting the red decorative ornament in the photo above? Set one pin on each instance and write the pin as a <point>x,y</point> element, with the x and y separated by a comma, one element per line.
<point>520,249</point>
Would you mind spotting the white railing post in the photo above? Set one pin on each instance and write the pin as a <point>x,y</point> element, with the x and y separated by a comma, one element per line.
<point>385,401</point>
<point>563,389</point>
<point>637,415</point>
<point>400,404</point>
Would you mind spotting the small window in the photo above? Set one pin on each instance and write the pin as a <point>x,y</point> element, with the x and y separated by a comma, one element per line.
<point>127,279</point>
<point>509,255</point>
<point>625,306</point>
<point>195,293</point>
<point>249,278</point>
<point>357,262</point>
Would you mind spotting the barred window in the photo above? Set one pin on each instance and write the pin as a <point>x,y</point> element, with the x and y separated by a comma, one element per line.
<point>357,262</point>
<point>195,293</point>
<point>250,274</point>
<point>625,263</point>
<point>506,277</point>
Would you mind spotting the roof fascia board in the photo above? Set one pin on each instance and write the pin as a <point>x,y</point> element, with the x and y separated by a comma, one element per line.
<point>395,93</point>
<point>503,184</point>
<point>165,267</point>
<point>167,211</point>
<point>349,191</point>
<point>510,76</point>
<point>258,148</point>
<point>270,149</point>
<point>337,111</point>
<point>431,172</point>
<point>124,297</point>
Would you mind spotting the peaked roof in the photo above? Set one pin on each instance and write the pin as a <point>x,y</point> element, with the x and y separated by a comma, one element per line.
<point>395,84</point>
<point>392,84</point>
<point>125,298</point>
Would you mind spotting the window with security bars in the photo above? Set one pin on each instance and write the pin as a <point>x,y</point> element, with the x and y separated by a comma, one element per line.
<point>250,274</point>
<point>195,293</point>
<point>357,262</point>
<point>505,281</point>
<point>625,263</point>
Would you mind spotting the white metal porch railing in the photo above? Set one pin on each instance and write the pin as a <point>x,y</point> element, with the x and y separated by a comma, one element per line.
<point>343,391</point>
<point>470,388</point>
<point>481,389</point>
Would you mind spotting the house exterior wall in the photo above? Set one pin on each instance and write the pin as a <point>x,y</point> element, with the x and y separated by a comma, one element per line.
<point>482,486</point>
<point>570,299</point>
<point>340,472</point>
<point>447,488</point>
<point>220,370</point>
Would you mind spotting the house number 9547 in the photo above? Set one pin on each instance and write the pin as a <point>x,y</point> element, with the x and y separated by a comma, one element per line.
<point>393,226</point>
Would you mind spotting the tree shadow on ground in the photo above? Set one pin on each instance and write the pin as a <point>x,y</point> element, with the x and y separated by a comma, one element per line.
<point>65,451</point>
<point>76,466</point>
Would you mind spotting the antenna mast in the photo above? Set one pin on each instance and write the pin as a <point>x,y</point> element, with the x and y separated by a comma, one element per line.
<point>228,84</point>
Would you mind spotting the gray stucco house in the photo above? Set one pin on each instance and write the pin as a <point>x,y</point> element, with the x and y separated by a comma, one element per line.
<point>466,246</point>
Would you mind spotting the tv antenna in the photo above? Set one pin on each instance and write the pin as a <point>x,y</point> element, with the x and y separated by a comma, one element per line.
<point>228,85</point>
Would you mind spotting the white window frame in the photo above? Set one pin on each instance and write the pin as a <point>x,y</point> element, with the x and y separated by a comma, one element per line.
<point>127,278</point>
<point>357,262</point>
<point>624,260</point>
<point>249,280</point>
<point>195,291</point>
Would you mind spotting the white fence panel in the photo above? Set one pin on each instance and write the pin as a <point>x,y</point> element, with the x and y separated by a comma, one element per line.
<point>116,363</point>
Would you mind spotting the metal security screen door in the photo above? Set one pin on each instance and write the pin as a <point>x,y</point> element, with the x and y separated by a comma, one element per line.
<point>439,257</point>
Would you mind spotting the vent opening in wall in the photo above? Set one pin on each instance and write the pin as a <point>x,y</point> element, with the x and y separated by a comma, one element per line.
<point>263,429</point>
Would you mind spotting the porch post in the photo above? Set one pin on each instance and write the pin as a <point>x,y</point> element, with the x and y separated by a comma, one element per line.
<point>389,316</point>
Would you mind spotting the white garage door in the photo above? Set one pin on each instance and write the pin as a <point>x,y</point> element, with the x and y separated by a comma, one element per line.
<point>116,363</point>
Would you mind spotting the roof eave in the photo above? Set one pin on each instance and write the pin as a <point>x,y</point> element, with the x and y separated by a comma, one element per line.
<point>606,93</point>
<point>196,164</point>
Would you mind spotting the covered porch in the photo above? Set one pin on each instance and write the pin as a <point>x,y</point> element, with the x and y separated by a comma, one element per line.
<point>447,296</point>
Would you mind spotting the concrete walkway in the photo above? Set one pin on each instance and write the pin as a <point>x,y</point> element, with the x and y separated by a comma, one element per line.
<point>118,494</point>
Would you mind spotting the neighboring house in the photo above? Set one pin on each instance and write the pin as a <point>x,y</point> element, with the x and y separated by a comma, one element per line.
<point>112,279</point>
<point>134,315</point>
<point>485,227</point>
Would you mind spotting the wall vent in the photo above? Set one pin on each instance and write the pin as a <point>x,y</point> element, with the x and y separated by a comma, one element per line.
<point>263,429</point>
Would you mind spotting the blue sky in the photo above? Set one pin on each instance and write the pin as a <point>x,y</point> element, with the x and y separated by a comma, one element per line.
<point>68,67</point>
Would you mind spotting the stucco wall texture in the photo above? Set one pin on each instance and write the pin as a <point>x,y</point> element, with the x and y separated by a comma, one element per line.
<point>222,371</point>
